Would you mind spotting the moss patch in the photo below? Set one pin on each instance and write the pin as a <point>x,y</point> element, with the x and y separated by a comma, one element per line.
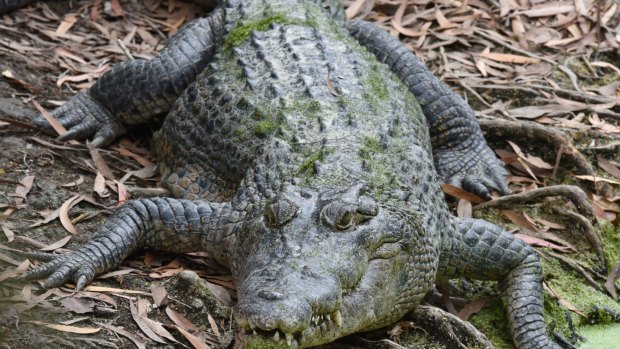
<point>242,32</point>
<point>307,167</point>
<point>601,337</point>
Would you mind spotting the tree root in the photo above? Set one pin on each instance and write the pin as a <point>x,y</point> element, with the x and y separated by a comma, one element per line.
<point>570,192</point>
<point>590,233</point>
<point>535,132</point>
<point>449,329</point>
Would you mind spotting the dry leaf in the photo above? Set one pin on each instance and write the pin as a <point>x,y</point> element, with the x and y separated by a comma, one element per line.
<point>472,308</point>
<point>10,235</point>
<point>56,245</point>
<point>160,296</point>
<point>65,328</point>
<point>63,213</point>
<point>540,242</point>
<point>135,339</point>
<point>509,58</point>
<point>196,342</point>
<point>461,194</point>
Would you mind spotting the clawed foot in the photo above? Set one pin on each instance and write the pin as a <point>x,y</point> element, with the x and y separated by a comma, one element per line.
<point>84,117</point>
<point>74,267</point>
<point>477,172</point>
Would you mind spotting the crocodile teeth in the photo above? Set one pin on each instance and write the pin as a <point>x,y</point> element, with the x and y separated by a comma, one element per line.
<point>276,337</point>
<point>254,332</point>
<point>337,318</point>
<point>289,339</point>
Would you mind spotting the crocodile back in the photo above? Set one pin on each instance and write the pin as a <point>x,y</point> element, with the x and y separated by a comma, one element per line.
<point>299,101</point>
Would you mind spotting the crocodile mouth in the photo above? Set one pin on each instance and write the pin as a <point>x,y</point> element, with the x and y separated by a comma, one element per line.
<point>319,326</point>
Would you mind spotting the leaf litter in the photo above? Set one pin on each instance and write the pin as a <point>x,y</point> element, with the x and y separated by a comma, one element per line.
<point>481,48</point>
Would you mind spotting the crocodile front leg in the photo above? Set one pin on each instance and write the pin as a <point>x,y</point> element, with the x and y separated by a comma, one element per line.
<point>161,223</point>
<point>136,91</point>
<point>481,250</point>
<point>460,152</point>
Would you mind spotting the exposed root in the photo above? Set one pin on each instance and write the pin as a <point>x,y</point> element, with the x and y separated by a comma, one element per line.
<point>449,329</point>
<point>537,133</point>
<point>570,192</point>
<point>574,266</point>
<point>589,231</point>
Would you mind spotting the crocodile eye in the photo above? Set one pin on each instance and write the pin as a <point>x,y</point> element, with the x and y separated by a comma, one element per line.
<point>339,216</point>
<point>346,221</point>
<point>280,213</point>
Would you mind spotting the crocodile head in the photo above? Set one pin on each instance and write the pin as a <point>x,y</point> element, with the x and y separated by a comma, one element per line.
<point>318,266</point>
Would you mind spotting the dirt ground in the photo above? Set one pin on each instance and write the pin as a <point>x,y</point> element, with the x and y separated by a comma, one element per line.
<point>52,191</point>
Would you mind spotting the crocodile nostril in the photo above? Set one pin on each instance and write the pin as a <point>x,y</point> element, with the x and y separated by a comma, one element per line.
<point>270,295</point>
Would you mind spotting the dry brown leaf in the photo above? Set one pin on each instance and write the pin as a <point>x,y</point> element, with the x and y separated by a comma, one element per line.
<point>137,316</point>
<point>123,194</point>
<point>96,296</point>
<point>63,213</point>
<point>213,325</point>
<point>66,24</point>
<point>464,209</point>
<point>542,243</point>
<point>100,163</point>
<point>10,235</point>
<point>135,339</point>
<point>596,179</point>
<point>117,273</point>
<point>56,245</point>
<point>78,305</point>
<point>65,328</point>
<point>160,296</point>
<point>547,10</point>
<point>92,288</point>
<point>472,308</point>
<point>181,321</point>
<point>608,166</point>
<point>196,342</point>
<point>509,58</point>
<point>99,186</point>
<point>75,183</point>
<point>519,220</point>
<point>461,194</point>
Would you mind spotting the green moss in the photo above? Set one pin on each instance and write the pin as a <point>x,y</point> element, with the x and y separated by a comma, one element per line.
<point>265,127</point>
<point>491,321</point>
<point>611,241</point>
<point>242,32</point>
<point>376,81</point>
<point>307,167</point>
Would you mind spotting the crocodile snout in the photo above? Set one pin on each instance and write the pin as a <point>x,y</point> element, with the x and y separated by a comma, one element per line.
<point>304,303</point>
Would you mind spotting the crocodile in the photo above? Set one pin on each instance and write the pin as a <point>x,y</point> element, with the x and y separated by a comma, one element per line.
<point>306,153</point>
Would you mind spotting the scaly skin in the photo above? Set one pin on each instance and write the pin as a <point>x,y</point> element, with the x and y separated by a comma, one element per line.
<point>306,166</point>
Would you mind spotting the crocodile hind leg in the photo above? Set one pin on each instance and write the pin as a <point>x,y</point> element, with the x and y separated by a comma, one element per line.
<point>481,250</point>
<point>161,223</point>
<point>137,91</point>
<point>460,152</point>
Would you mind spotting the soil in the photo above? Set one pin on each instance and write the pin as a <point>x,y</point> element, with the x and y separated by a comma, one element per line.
<point>26,151</point>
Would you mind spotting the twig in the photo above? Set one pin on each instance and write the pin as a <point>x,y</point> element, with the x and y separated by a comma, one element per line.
<point>483,33</point>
